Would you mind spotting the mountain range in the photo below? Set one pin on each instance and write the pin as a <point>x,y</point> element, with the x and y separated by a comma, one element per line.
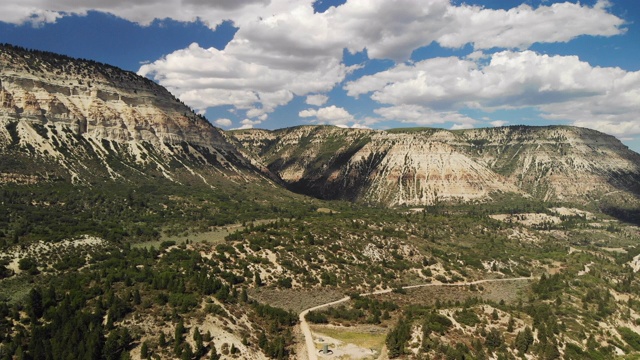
<point>80,120</point>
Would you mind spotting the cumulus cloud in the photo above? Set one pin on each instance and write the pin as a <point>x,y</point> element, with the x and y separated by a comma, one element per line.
<point>248,124</point>
<point>317,99</point>
<point>498,123</point>
<point>223,122</point>
<point>360,126</point>
<point>142,12</point>
<point>286,29</point>
<point>462,126</point>
<point>421,115</point>
<point>522,26</point>
<point>510,79</point>
<point>561,87</point>
<point>328,115</point>
<point>210,77</point>
<point>283,49</point>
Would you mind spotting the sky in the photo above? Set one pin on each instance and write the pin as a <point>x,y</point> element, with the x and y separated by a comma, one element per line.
<point>363,63</point>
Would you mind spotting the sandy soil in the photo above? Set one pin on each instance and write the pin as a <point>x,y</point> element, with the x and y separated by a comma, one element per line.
<point>573,212</point>
<point>44,249</point>
<point>528,219</point>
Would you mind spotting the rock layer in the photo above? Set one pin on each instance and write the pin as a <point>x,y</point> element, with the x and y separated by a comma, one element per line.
<point>96,99</point>
<point>424,166</point>
<point>72,111</point>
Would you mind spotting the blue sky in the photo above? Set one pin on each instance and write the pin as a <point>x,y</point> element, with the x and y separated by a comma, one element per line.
<point>374,63</point>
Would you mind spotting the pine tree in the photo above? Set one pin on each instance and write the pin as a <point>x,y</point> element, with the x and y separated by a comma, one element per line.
<point>199,346</point>
<point>144,350</point>
<point>262,341</point>
<point>177,342</point>
<point>187,352</point>
<point>397,338</point>
<point>35,304</point>
<point>136,297</point>
<point>494,339</point>
<point>214,353</point>
<point>510,325</point>
<point>523,341</point>
<point>244,297</point>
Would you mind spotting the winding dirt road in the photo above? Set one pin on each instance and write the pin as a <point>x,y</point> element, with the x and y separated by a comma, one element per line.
<point>312,352</point>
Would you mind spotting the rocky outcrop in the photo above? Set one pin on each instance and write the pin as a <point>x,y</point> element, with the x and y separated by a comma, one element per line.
<point>98,99</point>
<point>7,105</point>
<point>72,110</point>
<point>425,166</point>
<point>76,112</point>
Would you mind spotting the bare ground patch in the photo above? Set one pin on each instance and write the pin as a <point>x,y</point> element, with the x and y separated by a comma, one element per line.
<point>353,342</point>
<point>215,236</point>
<point>509,291</point>
<point>295,300</point>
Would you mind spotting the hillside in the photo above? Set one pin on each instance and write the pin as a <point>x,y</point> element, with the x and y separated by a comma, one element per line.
<point>76,134</point>
<point>417,167</point>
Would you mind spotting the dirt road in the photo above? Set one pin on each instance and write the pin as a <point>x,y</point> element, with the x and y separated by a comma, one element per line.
<point>312,352</point>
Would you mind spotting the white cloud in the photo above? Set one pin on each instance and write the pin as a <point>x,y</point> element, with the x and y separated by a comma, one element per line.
<point>248,124</point>
<point>477,55</point>
<point>290,31</point>
<point>317,99</point>
<point>360,126</point>
<point>462,126</point>
<point>142,12</point>
<point>223,122</point>
<point>210,77</point>
<point>522,26</point>
<point>498,123</point>
<point>621,129</point>
<point>561,87</point>
<point>328,115</point>
<point>308,113</point>
<point>421,115</point>
<point>284,49</point>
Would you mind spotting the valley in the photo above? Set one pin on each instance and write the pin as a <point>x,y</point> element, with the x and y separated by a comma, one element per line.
<point>131,228</point>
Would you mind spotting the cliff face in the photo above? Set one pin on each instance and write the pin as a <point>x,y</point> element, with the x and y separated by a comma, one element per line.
<point>72,111</point>
<point>424,166</point>
<point>83,121</point>
<point>558,163</point>
<point>96,99</point>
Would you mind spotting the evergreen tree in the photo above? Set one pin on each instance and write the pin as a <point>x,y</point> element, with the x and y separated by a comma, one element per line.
<point>524,339</point>
<point>36,308</point>
<point>37,344</point>
<point>144,350</point>
<point>187,352</point>
<point>136,297</point>
<point>262,340</point>
<point>397,338</point>
<point>177,342</point>
<point>199,345</point>
<point>214,353</point>
<point>162,341</point>
<point>510,325</point>
<point>494,339</point>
